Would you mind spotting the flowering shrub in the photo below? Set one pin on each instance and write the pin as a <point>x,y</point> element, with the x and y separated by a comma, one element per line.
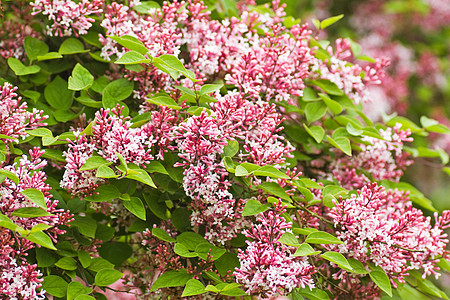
<point>190,149</point>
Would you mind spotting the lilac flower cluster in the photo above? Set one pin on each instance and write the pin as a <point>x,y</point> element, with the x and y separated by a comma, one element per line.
<point>382,227</point>
<point>18,279</point>
<point>382,159</point>
<point>268,267</point>
<point>68,17</point>
<point>14,118</point>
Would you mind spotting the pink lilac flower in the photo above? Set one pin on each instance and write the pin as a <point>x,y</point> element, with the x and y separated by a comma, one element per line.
<point>68,17</point>
<point>18,279</point>
<point>349,77</point>
<point>384,228</point>
<point>14,118</point>
<point>382,159</point>
<point>268,267</point>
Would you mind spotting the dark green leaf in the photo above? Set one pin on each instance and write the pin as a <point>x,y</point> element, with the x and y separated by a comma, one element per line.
<point>104,193</point>
<point>58,95</point>
<point>55,285</point>
<point>191,239</point>
<point>34,47</point>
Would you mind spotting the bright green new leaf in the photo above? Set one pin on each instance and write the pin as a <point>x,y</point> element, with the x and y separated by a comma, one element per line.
<point>316,132</point>
<point>116,91</point>
<point>71,46</point>
<point>40,238</point>
<point>130,42</point>
<point>164,100</point>
<point>254,207</point>
<point>378,275</point>
<point>30,212</point>
<point>342,143</point>
<point>275,189</point>
<point>132,57</point>
<point>289,239</point>
<point>338,259</point>
<point>35,196</point>
<point>75,289</point>
<point>270,171</point>
<point>55,285</point>
<point>203,249</point>
<point>66,263</point>
<point>20,69</point>
<point>193,287</point>
<point>321,237</point>
<point>162,235</point>
<point>94,162</point>
<point>304,250</point>
<point>328,86</point>
<point>330,21</point>
<point>141,176</point>
<point>210,88</point>
<point>314,111</point>
<point>183,251</point>
<point>81,78</point>
<point>136,207</point>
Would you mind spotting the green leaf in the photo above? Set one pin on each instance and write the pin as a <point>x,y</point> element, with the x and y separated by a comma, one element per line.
<point>156,167</point>
<point>316,132</point>
<point>227,262</point>
<point>314,294</point>
<point>49,56</point>
<point>107,277</point>
<point>41,238</point>
<point>172,62</point>
<point>191,239</point>
<point>132,57</point>
<point>275,189</point>
<point>86,225</point>
<point>210,88</point>
<point>8,223</point>
<point>314,111</point>
<point>328,86</point>
<point>45,257</point>
<point>162,235</point>
<point>130,42</point>
<point>378,275</point>
<point>334,106</point>
<point>310,183</point>
<point>99,263</point>
<point>55,285</point>
<point>40,132</point>
<point>357,266</point>
<point>94,162</point>
<point>320,237</point>
<point>141,176</point>
<point>85,259</point>
<point>136,207</point>
<point>116,91</point>
<point>164,100</point>
<point>71,46</point>
<point>193,287</point>
<point>20,69</point>
<point>289,239</point>
<point>30,212</point>
<point>354,131</point>
<point>35,196</point>
<point>81,78</point>
<point>309,95</point>
<point>33,95</point>
<point>270,171</point>
<point>204,248</point>
<point>105,193</point>
<point>254,207</point>
<point>146,7</point>
<point>34,47</point>
<point>67,263</point>
<point>338,259</point>
<point>115,252</point>
<point>304,250</point>
<point>183,251</point>
<point>231,148</point>
<point>105,172</point>
<point>100,84</point>
<point>171,279</point>
<point>58,95</point>
<point>330,21</point>
<point>342,143</point>
<point>10,175</point>
<point>86,297</point>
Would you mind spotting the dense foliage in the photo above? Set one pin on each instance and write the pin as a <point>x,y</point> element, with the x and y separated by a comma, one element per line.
<point>182,149</point>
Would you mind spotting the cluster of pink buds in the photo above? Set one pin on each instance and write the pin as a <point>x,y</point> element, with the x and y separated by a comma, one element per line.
<point>382,227</point>
<point>268,267</point>
<point>14,118</point>
<point>68,17</point>
<point>18,279</point>
<point>382,159</point>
